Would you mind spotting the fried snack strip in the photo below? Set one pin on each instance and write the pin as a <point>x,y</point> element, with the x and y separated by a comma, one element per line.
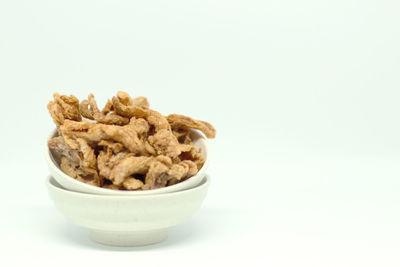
<point>79,163</point>
<point>105,116</point>
<point>165,143</point>
<point>153,117</point>
<point>59,145</point>
<point>128,166</point>
<point>132,184</point>
<point>125,135</point>
<point>106,161</point>
<point>162,172</point>
<point>64,107</point>
<point>183,122</point>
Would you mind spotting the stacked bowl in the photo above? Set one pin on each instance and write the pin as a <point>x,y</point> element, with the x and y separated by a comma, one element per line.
<point>127,218</point>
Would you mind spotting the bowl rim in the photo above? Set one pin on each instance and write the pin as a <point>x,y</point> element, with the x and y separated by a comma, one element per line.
<point>106,191</point>
<point>205,182</point>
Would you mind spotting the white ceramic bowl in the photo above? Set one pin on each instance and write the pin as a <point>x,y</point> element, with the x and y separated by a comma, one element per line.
<point>72,184</point>
<point>127,220</point>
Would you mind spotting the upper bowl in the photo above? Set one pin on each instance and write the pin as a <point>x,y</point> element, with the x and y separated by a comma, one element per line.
<point>72,184</point>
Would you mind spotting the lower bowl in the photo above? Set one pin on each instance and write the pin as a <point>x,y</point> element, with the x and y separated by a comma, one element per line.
<point>127,220</point>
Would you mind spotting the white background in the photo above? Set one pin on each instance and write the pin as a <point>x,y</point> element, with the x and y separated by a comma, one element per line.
<point>304,95</point>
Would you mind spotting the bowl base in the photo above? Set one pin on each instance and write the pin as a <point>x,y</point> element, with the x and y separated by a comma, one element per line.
<point>128,239</point>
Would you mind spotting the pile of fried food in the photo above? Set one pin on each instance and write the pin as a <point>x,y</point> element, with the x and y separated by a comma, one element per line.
<point>126,145</point>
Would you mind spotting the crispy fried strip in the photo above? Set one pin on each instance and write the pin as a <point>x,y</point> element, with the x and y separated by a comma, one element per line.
<point>128,166</point>
<point>115,147</point>
<point>67,167</point>
<point>69,106</point>
<point>64,107</point>
<point>183,122</point>
<point>88,159</point>
<point>126,100</point>
<point>153,117</point>
<point>103,160</point>
<point>132,183</point>
<point>156,176</point>
<point>183,169</point>
<point>85,110</point>
<point>194,155</point>
<point>162,172</point>
<point>55,113</point>
<point>150,149</point>
<point>128,111</point>
<point>165,143</point>
<point>59,145</point>
<point>158,121</point>
<point>88,176</point>
<point>141,125</point>
<point>106,161</point>
<point>109,118</point>
<point>126,135</point>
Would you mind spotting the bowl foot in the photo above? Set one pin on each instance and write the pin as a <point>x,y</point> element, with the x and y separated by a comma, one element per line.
<point>128,239</point>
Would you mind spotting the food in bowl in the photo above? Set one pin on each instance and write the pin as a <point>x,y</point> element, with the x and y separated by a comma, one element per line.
<point>126,145</point>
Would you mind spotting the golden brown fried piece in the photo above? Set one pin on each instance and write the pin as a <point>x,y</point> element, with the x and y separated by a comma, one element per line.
<point>193,155</point>
<point>183,122</point>
<point>132,184</point>
<point>158,121</point>
<point>165,143</point>
<point>88,158</point>
<point>89,109</point>
<point>85,111</point>
<point>88,176</point>
<point>138,108</point>
<point>113,187</point>
<point>126,100</point>
<point>128,111</point>
<point>183,136</point>
<point>183,169</point>
<point>115,147</point>
<point>106,161</point>
<point>180,133</point>
<point>64,107</point>
<point>80,162</point>
<point>125,135</point>
<point>58,145</point>
<point>56,113</point>
<point>140,125</point>
<point>165,160</point>
<point>109,118</point>
<point>149,149</point>
<point>130,165</point>
<point>71,142</point>
<point>162,172</point>
<point>157,176</point>
<point>67,166</point>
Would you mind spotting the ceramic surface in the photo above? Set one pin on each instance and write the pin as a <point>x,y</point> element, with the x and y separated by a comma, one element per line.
<point>127,220</point>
